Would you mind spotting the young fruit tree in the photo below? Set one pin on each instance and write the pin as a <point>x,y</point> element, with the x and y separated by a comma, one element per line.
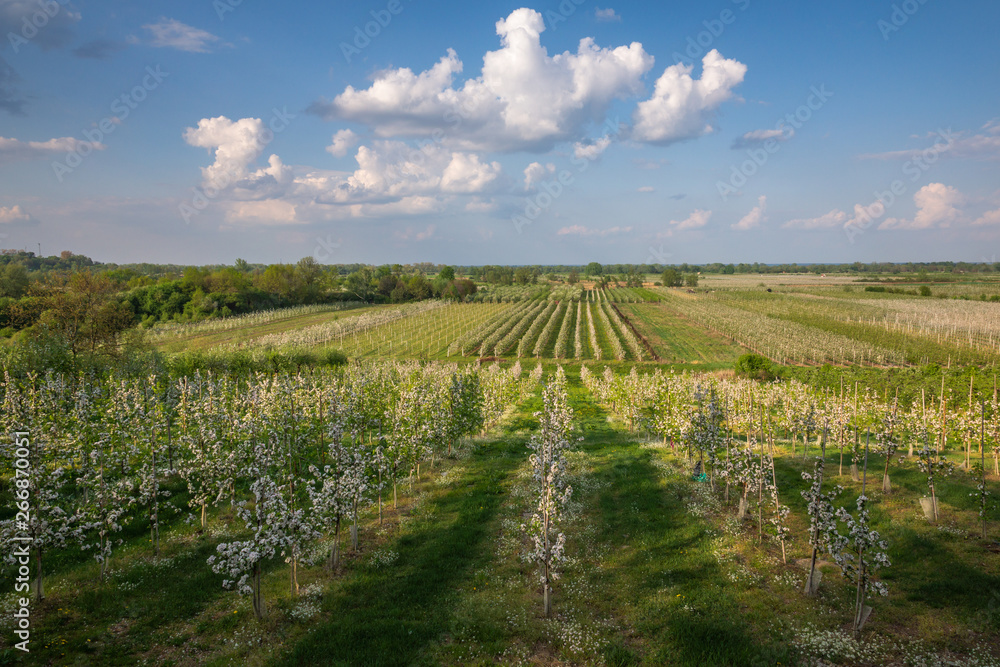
<point>931,466</point>
<point>336,487</point>
<point>108,495</point>
<point>47,519</point>
<point>552,492</point>
<point>865,554</point>
<point>465,406</point>
<point>887,444</point>
<point>241,561</point>
<point>823,535</point>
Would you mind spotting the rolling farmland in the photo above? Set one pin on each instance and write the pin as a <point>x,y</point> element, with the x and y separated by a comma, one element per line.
<point>794,326</point>
<point>559,323</point>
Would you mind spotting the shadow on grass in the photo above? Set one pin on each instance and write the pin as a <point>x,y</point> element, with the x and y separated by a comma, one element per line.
<point>389,616</point>
<point>657,545</point>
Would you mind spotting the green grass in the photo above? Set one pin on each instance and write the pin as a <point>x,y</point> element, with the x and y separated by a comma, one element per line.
<point>675,338</point>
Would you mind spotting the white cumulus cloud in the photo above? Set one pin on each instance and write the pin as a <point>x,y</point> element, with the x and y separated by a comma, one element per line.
<point>237,145</point>
<point>989,218</point>
<point>342,142</point>
<point>12,215</point>
<point>535,172</point>
<point>524,98</point>
<point>393,169</point>
<point>753,219</point>
<point>698,219</point>
<point>937,206</point>
<point>683,107</point>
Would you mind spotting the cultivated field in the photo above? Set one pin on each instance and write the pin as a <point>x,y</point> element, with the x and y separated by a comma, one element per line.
<point>791,322</point>
<point>546,475</point>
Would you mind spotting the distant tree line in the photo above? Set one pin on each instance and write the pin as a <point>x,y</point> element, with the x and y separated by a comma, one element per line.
<point>503,274</point>
<point>34,290</point>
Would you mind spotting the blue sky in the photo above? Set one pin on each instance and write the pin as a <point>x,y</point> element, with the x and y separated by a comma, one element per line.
<point>736,130</point>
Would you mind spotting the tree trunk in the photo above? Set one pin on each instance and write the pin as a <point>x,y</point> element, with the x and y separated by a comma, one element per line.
<point>335,552</point>
<point>354,528</point>
<point>812,582</point>
<point>859,599</point>
<point>258,598</point>
<point>39,586</point>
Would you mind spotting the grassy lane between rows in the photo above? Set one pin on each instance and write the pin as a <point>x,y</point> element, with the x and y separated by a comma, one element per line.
<point>677,339</point>
<point>387,615</point>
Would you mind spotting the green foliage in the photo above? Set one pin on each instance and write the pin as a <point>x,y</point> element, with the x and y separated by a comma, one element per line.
<point>925,290</point>
<point>754,366</point>
<point>671,278</point>
<point>333,358</point>
<point>13,281</point>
